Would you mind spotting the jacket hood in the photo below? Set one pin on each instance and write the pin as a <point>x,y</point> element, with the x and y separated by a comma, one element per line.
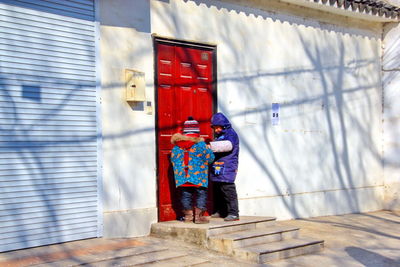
<point>220,120</point>
<point>180,137</point>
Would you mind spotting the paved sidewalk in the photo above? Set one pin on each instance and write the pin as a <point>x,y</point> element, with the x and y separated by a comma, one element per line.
<point>367,239</point>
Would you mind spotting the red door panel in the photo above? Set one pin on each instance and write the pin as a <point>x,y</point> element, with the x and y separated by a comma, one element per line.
<point>184,88</point>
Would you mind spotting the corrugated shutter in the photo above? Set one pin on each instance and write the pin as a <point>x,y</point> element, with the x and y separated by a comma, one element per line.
<point>48,129</point>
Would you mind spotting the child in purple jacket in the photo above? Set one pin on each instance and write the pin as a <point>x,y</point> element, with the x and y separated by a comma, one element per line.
<point>224,168</point>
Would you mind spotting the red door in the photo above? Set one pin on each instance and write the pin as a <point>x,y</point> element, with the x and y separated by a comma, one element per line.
<point>184,88</point>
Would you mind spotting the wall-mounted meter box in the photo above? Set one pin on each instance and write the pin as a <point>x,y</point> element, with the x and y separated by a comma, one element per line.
<point>135,85</point>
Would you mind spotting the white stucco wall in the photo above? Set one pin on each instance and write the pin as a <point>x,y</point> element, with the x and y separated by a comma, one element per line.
<point>391,85</point>
<point>129,160</point>
<point>323,158</point>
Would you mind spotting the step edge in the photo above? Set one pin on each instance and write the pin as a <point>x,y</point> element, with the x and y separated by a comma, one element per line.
<point>238,223</point>
<point>293,252</point>
<point>309,243</point>
<point>221,236</point>
<point>267,234</point>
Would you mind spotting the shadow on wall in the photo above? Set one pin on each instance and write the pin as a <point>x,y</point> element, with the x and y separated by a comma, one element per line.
<point>391,41</point>
<point>81,10</point>
<point>390,78</point>
<point>137,17</point>
<point>48,140</point>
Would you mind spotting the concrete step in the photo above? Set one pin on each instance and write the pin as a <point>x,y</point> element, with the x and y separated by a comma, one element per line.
<point>263,253</point>
<point>254,239</point>
<point>245,223</point>
<point>178,262</point>
<point>226,243</point>
<point>198,233</point>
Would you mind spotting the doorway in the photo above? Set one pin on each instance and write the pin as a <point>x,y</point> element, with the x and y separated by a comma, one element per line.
<point>186,86</point>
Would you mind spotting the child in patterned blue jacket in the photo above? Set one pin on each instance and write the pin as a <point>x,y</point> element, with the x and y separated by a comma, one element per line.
<point>190,158</point>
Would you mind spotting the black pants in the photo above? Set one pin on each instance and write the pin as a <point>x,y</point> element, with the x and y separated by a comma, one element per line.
<point>225,199</point>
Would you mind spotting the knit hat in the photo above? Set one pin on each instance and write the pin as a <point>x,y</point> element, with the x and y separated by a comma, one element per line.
<point>191,126</point>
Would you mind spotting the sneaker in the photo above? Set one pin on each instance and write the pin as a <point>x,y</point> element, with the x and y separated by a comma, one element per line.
<point>216,215</point>
<point>231,217</point>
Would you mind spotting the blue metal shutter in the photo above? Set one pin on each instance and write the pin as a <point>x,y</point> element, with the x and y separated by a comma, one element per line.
<point>48,123</point>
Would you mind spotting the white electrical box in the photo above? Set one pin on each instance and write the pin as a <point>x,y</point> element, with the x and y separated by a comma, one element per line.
<point>135,85</point>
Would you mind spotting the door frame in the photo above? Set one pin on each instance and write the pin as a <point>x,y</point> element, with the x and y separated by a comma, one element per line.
<point>183,43</point>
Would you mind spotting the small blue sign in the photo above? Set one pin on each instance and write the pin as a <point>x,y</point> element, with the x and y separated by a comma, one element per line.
<point>275,113</point>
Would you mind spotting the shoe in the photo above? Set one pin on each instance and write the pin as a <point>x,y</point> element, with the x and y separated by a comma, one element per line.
<point>231,218</point>
<point>216,215</point>
<point>199,216</point>
<point>188,216</point>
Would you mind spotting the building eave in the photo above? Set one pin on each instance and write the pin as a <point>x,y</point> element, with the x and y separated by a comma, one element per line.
<point>372,10</point>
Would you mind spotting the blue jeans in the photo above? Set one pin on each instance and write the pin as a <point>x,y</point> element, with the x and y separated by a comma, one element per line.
<point>187,195</point>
